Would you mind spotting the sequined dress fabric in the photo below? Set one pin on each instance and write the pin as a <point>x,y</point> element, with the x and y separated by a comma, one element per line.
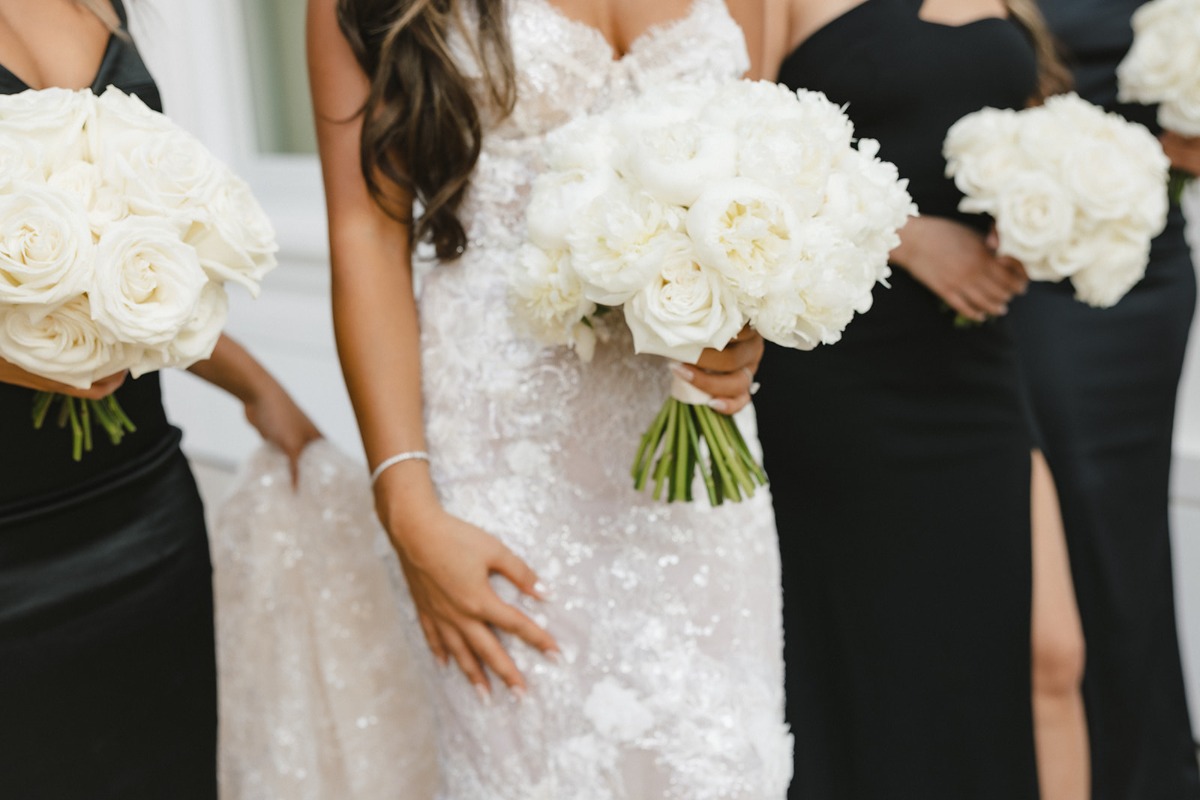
<point>669,617</point>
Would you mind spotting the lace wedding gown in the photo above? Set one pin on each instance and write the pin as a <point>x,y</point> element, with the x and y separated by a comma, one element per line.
<point>668,616</point>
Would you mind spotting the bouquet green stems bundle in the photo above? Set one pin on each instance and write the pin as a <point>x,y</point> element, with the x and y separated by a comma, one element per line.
<point>79,414</point>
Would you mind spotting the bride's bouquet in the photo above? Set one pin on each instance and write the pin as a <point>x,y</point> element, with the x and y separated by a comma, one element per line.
<point>696,211</point>
<point>1163,66</point>
<point>118,232</point>
<point>1075,192</point>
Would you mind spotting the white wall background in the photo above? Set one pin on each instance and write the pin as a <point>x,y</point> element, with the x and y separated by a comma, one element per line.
<point>197,51</point>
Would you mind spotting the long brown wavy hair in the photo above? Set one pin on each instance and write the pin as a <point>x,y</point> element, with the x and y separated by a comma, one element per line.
<point>103,10</point>
<point>422,131</point>
<point>1054,77</point>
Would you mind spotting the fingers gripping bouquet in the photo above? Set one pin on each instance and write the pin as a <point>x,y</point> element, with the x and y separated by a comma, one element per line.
<point>1163,67</point>
<point>696,211</point>
<point>118,232</point>
<point>1076,192</point>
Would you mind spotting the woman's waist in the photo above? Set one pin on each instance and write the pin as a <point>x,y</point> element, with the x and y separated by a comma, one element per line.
<point>37,467</point>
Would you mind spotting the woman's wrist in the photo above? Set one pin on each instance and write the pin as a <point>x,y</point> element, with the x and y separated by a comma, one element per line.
<point>405,498</point>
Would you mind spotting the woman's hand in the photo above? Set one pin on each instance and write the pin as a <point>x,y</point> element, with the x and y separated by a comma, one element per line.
<point>448,563</point>
<point>727,375</point>
<point>102,388</point>
<point>277,418</point>
<point>956,264</point>
<point>1184,151</point>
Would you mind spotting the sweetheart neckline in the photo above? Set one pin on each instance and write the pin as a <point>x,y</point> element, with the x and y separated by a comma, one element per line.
<point>653,32</point>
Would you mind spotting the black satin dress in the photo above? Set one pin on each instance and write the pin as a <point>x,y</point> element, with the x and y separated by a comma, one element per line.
<point>107,668</point>
<point>1103,385</point>
<point>900,467</point>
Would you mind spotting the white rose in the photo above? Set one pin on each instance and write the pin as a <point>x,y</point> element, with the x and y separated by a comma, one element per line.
<point>46,250</point>
<point>746,232</point>
<point>1165,57</point>
<point>21,161</point>
<point>1114,264</point>
<point>618,245</point>
<point>147,282</point>
<point>123,123</point>
<point>559,199</point>
<point>1181,114</point>
<point>547,295</point>
<point>1034,217</point>
<point>56,119</point>
<point>1102,179</point>
<point>62,343</point>
<point>686,309</point>
<point>108,206</point>
<point>237,243</point>
<point>199,336</point>
<point>982,153</point>
<point>168,174</point>
<point>79,179</point>
<point>676,161</point>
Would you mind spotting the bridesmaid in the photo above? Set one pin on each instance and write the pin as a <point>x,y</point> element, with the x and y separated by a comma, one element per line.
<point>1110,449</point>
<point>900,457</point>
<point>107,676</point>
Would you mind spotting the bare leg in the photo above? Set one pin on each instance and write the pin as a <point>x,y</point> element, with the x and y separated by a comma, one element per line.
<point>1058,652</point>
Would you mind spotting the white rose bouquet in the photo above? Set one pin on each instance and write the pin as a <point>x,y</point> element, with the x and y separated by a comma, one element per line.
<point>118,231</point>
<point>696,211</point>
<point>1075,192</point>
<point>1163,67</point>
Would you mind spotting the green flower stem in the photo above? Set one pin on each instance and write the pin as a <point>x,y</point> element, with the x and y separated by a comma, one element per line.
<point>683,459</point>
<point>649,446</point>
<point>1178,185</point>
<point>721,423</point>
<point>694,436</point>
<point>80,415</point>
<point>729,484</point>
<point>756,470</point>
<point>664,461</point>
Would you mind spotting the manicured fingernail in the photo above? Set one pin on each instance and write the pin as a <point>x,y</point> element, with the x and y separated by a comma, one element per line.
<point>683,372</point>
<point>754,387</point>
<point>554,657</point>
<point>541,591</point>
<point>520,693</point>
<point>718,405</point>
<point>485,696</point>
<point>1003,310</point>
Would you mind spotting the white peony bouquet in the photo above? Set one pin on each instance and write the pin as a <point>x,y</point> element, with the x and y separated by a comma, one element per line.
<point>1163,67</point>
<point>1075,192</point>
<point>118,232</point>
<point>696,211</point>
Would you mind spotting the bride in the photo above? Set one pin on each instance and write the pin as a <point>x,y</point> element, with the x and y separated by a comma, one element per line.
<point>603,645</point>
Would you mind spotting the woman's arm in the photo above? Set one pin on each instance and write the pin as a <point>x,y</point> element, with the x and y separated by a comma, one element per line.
<point>447,561</point>
<point>960,266</point>
<point>269,407</point>
<point>1184,151</point>
<point>11,373</point>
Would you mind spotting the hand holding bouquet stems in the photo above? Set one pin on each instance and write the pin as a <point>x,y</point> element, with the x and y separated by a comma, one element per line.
<point>118,232</point>
<point>696,211</point>
<point>1163,68</point>
<point>1075,192</point>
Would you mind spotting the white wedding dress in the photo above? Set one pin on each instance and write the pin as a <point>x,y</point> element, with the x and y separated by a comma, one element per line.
<point>671,684</point>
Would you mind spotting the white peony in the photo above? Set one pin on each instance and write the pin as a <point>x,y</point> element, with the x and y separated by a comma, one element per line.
<point>46,249</point>
<point>560,198</point>
<point>676,161</point>
<point>147,282</point>
<point>686,309</point>
<point>548,298</point>
<point>746,232</point>
<point>620,242</point>
<point>61,343</point>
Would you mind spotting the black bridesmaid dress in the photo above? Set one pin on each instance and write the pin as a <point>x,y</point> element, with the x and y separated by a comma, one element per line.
<point>1103,385</point>
<point>107,667</point>
<point>900,466</point>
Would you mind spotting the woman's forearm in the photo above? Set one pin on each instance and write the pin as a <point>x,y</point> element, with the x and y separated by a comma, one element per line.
<point>233,369</point>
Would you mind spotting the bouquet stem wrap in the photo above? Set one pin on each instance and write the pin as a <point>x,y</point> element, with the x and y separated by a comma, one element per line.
<point>687,436</point>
